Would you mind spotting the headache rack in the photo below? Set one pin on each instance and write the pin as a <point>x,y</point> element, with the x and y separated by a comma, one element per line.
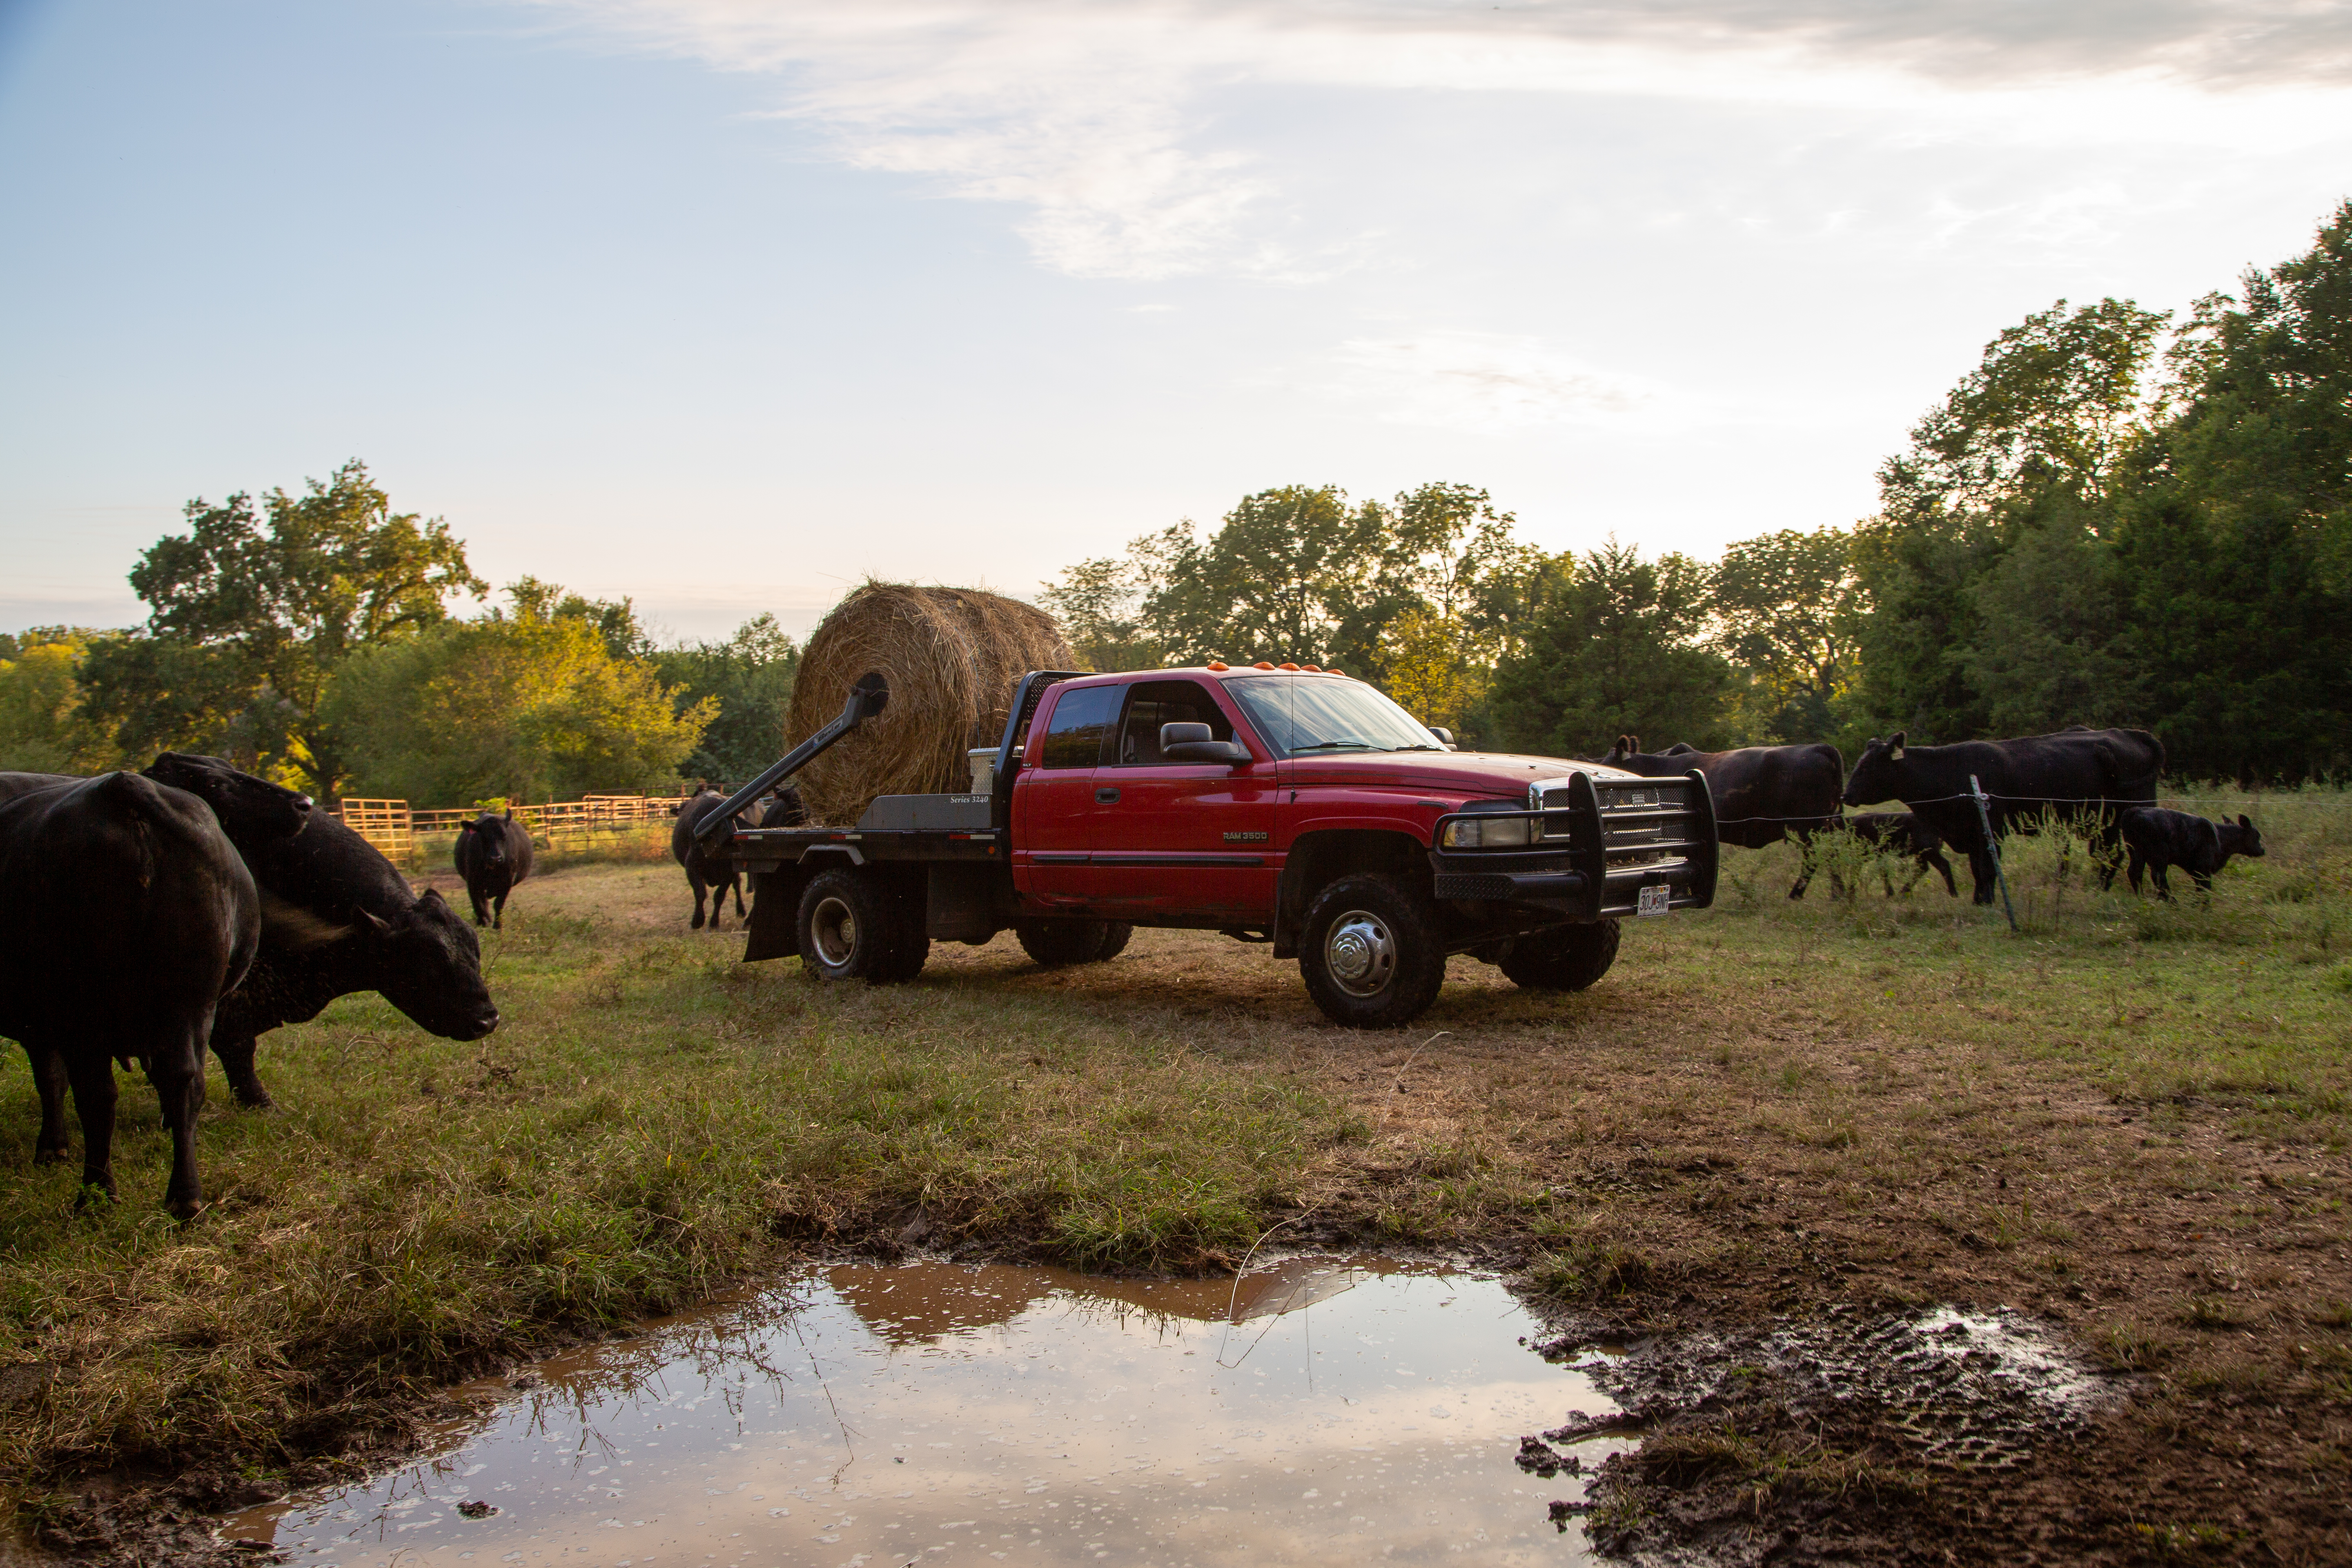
<point>1599,844</point>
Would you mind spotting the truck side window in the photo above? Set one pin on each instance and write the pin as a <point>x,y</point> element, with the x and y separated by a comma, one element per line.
<point>1074,736</point>
<point>1152,703</point>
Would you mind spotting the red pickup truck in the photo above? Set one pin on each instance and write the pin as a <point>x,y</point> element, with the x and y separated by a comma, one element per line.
<point>1290,807</point>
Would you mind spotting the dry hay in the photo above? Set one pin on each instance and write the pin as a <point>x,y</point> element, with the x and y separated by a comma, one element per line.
<point>952,657</point>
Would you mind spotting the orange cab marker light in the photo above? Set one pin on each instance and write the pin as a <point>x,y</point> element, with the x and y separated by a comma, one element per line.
<point>1261,664</point>
<point>1219,663</point>
<point>1290,667</point>
<point>1314,668</point>
<point>1335,669</point>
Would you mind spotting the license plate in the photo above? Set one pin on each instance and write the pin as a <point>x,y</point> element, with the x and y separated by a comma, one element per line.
<point>1654,899</point>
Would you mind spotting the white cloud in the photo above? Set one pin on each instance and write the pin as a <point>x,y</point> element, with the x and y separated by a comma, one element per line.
<point>1484,382</point>
<point>1097,119</point>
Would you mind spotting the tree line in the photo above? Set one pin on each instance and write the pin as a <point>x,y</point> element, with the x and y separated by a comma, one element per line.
<point>314,638</point>
<point>2115,519</point>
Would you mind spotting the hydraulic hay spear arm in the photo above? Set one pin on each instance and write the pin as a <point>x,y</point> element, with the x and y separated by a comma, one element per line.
<point>867,698</point>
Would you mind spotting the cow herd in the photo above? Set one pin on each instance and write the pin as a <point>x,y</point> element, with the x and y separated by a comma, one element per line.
<point>222,906</point>
<point>1969,795</point>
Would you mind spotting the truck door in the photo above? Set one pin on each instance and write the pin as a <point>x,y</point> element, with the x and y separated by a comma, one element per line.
<point>1055,796</point>
<point>1187,839</point>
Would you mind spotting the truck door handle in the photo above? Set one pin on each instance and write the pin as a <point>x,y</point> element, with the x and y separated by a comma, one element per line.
<point>1106,797</point>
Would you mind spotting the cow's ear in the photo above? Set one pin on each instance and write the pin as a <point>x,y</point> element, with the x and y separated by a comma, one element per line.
<point>1895,745</point>
<point>2245,822</point>
<point>380,926</point>
<point>510,814</point>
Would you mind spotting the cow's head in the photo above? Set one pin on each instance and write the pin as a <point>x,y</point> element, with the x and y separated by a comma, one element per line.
<point>1880,775</point>
<point>430,966</point>
<point>251,811</point>
<point>488,834</point>
<point>2240,837</point>
<point>1626,747</point>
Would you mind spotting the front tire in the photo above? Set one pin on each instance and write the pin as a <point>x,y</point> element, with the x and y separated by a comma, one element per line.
<point>853,926</point>
<point>1565,958</point>
<point>1370,952</point>
<point>1054,943</point>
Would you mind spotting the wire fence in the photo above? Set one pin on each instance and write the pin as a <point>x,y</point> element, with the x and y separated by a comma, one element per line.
<point>565,826</point>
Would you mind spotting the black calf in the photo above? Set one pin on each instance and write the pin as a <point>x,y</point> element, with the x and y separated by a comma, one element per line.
<point>2161,840</point>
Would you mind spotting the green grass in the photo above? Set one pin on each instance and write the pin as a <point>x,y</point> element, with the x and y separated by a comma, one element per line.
<point>653,1120</point>
<point>1834,1094</point>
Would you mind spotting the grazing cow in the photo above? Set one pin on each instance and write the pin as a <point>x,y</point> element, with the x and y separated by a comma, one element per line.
<point>2162,840</point>
<point>493,855</point>
<point>2080,776</point>
<point>716,874</point>
<point>1901,833</point>
<point>179,926</point>
<point>1762,794</point>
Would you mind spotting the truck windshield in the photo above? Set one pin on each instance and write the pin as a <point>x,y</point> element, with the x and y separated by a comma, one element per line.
<point>1326,715</point>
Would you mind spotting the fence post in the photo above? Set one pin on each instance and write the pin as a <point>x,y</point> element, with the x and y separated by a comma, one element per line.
<point>1992,846</point>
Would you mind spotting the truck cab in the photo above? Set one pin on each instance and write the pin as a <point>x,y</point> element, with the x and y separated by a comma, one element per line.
<point>1284,806</point>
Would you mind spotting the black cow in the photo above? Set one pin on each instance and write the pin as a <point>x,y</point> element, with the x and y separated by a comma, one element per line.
<point>2162,840</point>
<point>339,917</point>
<point>2080,776</point>
<point>1762,794</point>
<point>176,922</point>
<point>1901,833</point>
<point>493,855</point>
<point>716,874</point>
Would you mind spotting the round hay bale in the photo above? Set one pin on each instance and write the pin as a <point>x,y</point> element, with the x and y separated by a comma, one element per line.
<point>952,656</point>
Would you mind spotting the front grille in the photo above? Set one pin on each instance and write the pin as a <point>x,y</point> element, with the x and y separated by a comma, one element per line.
<point>1624,835</point>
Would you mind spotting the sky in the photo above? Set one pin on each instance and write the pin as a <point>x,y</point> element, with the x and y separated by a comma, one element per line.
<point>724,305</point>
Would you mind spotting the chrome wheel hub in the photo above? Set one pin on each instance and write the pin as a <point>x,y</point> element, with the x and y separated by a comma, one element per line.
<point>1360,953</point>
<point>832,931</point>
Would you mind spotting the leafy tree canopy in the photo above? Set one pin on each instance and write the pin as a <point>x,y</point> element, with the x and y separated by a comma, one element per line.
<point>521,704</point>
<point>750,677</point>
<point>254,609</point>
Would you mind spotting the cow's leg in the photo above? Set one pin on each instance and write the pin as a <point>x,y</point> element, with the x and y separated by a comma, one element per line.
<point>2204,881</point>
<point>179,1078</point>
<point>236,1063</point>
<point>735,886</point>
<point>499,910</point>
<point>2132,874</point>
<point>92,1074</point>
<point>1804,864</point>
<point>2163,869</point>
<point>694,879</point>
<point>481,905</point>
<point>1980,867</point>
<point>50,1078</point>
<point>1935,857</point>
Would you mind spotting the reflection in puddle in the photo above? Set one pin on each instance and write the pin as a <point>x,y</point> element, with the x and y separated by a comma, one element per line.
<point>1319,1410</point>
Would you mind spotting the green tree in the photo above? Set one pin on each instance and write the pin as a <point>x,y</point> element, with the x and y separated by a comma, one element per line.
<point>2234,548</point>
<point>2036,436</point>
<point>1614,646</point>
<point>42,730</point>
<point>1789,611</point>
<point>253,611</point>
<point>519,703</point>
<point>750,678</point>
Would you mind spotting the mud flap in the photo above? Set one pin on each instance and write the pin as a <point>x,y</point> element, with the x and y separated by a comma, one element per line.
<point>775,914</point>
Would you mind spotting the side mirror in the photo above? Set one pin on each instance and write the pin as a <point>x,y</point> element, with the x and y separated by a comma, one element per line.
<point>1178,735</point>
<point>1229,752</point>
<point>1442,732</point>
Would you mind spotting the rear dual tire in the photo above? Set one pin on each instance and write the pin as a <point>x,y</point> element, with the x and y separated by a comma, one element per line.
<point>856,924</point>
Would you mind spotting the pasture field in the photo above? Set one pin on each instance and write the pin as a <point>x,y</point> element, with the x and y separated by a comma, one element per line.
<point>2128,1118</point>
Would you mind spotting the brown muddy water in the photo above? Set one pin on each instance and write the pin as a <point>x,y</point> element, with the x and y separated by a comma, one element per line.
<point>1316,1410</point>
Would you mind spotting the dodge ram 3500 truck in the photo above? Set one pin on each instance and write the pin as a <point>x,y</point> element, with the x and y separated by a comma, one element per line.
<point>1280,804</point>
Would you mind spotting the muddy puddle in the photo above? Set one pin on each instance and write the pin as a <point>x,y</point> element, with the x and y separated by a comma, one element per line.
<point>1318,1410</point>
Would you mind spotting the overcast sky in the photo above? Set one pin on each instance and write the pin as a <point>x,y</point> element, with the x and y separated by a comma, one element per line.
<point>724,304</point>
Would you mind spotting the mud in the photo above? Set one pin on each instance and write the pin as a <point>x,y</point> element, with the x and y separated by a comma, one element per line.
<point>1316,1410</point>
<point>1763,1445</point>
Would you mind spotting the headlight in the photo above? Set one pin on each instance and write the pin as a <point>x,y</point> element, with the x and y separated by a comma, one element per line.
<point>1491,833</point>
